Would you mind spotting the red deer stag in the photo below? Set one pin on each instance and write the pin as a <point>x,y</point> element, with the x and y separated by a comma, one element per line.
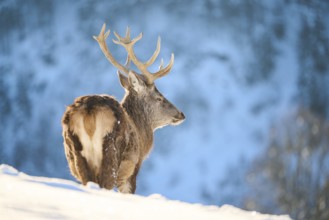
<point>106,141</point>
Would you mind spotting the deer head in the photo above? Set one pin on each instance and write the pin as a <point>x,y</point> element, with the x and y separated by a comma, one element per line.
<point>142,100</point>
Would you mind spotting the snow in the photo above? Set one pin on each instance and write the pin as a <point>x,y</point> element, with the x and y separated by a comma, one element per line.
<point>29,197</point>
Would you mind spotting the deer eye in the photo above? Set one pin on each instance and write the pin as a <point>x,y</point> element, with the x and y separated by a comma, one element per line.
<point>159,99</point>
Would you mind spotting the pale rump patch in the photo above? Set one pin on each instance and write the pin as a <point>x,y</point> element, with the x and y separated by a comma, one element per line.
<point>91,130</point>
<point>76,123</point>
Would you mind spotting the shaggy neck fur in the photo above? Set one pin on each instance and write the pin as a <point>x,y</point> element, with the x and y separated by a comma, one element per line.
<point>140,115</point>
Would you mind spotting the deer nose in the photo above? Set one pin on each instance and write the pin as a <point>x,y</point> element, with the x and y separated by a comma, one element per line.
<point>180,116</point>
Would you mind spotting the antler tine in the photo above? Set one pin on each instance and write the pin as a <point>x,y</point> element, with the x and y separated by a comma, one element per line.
<point>101,39</point>
<point>162,72</point>
<point>128,61</point>
<point>128,32</point>
<point>161,65</point>
<point>126,42</point>
<point>155,54</point>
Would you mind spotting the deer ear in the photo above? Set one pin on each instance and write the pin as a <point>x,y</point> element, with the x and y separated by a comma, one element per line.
<point>123,80</point>
<point>135,82</point>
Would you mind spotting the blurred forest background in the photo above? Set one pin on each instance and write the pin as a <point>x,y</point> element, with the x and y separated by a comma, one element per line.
<point>252,77</point>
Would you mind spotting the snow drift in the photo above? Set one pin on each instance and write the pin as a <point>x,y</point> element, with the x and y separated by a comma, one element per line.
<point>28,197</point>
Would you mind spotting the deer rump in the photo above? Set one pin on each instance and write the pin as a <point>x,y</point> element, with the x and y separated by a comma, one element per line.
<point>96,141</point>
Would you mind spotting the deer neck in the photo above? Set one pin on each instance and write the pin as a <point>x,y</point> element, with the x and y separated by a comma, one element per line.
<point>138,115</point>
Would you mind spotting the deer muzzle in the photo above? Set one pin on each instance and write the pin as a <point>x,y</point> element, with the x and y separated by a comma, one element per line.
<point>179,118</point>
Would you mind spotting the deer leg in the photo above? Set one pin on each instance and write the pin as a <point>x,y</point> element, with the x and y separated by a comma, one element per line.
<point>126,170</point>
<point>109,166</point>
<point>70,157</point>
<point>132,179</point>
<point>79,166</point>
<point>82,168</point>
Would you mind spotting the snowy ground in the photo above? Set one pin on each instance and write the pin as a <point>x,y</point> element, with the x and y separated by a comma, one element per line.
<point>29,197</point>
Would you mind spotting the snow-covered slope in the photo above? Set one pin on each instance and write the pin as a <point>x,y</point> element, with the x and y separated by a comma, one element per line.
<point>28,197</point>
<point>240,67</point>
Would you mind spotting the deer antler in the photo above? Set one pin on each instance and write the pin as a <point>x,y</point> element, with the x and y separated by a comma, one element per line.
<point>128,44</point>
<point>101,38</point>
